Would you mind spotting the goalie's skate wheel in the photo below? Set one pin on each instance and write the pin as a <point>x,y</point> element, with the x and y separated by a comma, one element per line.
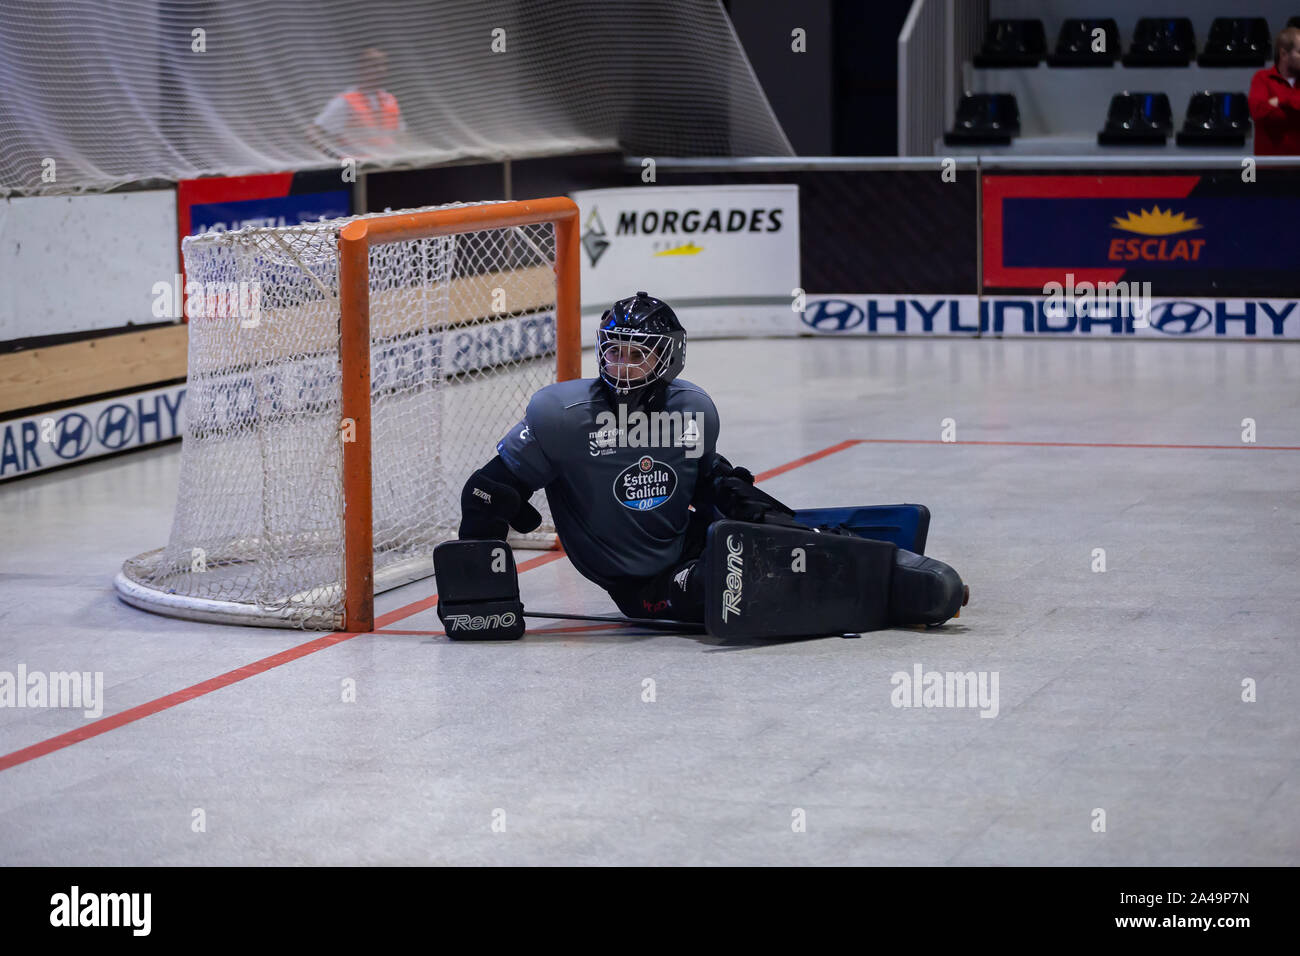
<point>965,599</point>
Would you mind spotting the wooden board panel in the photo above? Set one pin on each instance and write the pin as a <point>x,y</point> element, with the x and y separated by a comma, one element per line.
<point>73,370</point>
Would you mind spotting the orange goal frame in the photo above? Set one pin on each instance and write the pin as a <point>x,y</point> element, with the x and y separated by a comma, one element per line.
<point>355,241</point>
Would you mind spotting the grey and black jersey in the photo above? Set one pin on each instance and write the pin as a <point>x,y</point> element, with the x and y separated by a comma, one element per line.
<point>620,505</point>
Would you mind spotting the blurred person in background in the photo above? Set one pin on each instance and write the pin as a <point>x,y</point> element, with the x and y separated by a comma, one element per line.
<point>1275,99</point>
<point>362,121</point>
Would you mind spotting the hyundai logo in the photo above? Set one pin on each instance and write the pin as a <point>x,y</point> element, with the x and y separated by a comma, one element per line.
<point>115,427</point>
<point>72,436</point>
<point>1180,318</point>
<point>832,315</point>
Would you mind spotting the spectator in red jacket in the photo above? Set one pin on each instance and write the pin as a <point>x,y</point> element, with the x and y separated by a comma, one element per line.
<point>1275,99</point>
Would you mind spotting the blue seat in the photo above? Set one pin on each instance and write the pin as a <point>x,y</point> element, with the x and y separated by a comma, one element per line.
<point>1137,119</point>
<point>985,119</point>
<point>1012,43</point>
<point>1215,119</point>
<point>1162,41</point>
<point>1074,45</point>
<point>1237,41</point>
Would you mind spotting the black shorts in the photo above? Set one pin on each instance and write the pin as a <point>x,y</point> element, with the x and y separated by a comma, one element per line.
<point>674,594</point>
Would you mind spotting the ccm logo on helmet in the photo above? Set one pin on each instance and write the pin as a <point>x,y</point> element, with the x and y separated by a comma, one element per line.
<point>466,622</point>
<point>735,577</point>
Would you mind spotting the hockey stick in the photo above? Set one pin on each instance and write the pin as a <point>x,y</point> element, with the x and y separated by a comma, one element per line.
<point>672,627</point>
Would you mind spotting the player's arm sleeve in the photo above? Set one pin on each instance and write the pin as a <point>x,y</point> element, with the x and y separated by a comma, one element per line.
<point>496,496</point>
<point>522,448</point>
<point>712,426</point>
<point>712,465</point>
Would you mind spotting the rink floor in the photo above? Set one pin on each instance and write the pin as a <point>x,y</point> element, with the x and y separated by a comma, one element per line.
<point>1119,692</point>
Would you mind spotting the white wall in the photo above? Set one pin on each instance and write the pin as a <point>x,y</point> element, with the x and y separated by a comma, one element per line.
<point>77,263</point>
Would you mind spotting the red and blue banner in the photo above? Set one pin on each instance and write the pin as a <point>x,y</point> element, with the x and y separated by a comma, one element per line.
<point>1212,233</point>
<point>227,203</point>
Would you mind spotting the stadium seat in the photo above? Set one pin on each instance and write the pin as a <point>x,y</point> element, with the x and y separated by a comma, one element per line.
<point>1162,41</point>
<point>985,119</point>
<point>1074,45</point>
<point>1215,119</point>
<point>1012,43</point>
<point>1137,119</point>
<point>1237,41</point>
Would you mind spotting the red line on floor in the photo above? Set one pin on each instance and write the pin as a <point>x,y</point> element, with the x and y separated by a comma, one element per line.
<point>148,709</point>
<point>105,724</point>
<point>806,459</point>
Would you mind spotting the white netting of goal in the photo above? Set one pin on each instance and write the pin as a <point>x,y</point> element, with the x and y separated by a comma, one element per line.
<point>118,91</point>
<point>462,332</point>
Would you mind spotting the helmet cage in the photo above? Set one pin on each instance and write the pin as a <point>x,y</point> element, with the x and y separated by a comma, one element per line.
<point>652,351</point>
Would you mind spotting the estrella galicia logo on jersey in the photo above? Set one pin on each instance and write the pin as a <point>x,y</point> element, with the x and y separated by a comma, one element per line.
<point>832,315</point>
<point>1180,318</point>
<point>645,485</point>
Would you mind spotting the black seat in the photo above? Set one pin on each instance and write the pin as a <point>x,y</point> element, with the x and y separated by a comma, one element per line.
<point>1012,43</point>
<point>1237,41</point>
<point>1162,41</point>
<point>1074,46</point>
<point>1137,119</point>
<point>1216,119</point>
<point>985,119</point>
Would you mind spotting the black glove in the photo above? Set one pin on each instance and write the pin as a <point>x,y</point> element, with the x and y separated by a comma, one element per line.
<point>489,508</point>
<point>734,494</point>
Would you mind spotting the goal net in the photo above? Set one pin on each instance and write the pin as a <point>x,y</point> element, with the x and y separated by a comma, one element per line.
<point>286,452</point>
<point>96,93</point>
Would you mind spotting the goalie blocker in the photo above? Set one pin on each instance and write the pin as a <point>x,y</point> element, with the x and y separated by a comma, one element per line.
<point>764,580</point>
<point>478,591</point>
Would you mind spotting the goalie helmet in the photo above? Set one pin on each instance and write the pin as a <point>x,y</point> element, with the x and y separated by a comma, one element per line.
<point>639,345</point>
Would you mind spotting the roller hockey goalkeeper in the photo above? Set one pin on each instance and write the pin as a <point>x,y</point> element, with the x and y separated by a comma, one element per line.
<point>646,508</point>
